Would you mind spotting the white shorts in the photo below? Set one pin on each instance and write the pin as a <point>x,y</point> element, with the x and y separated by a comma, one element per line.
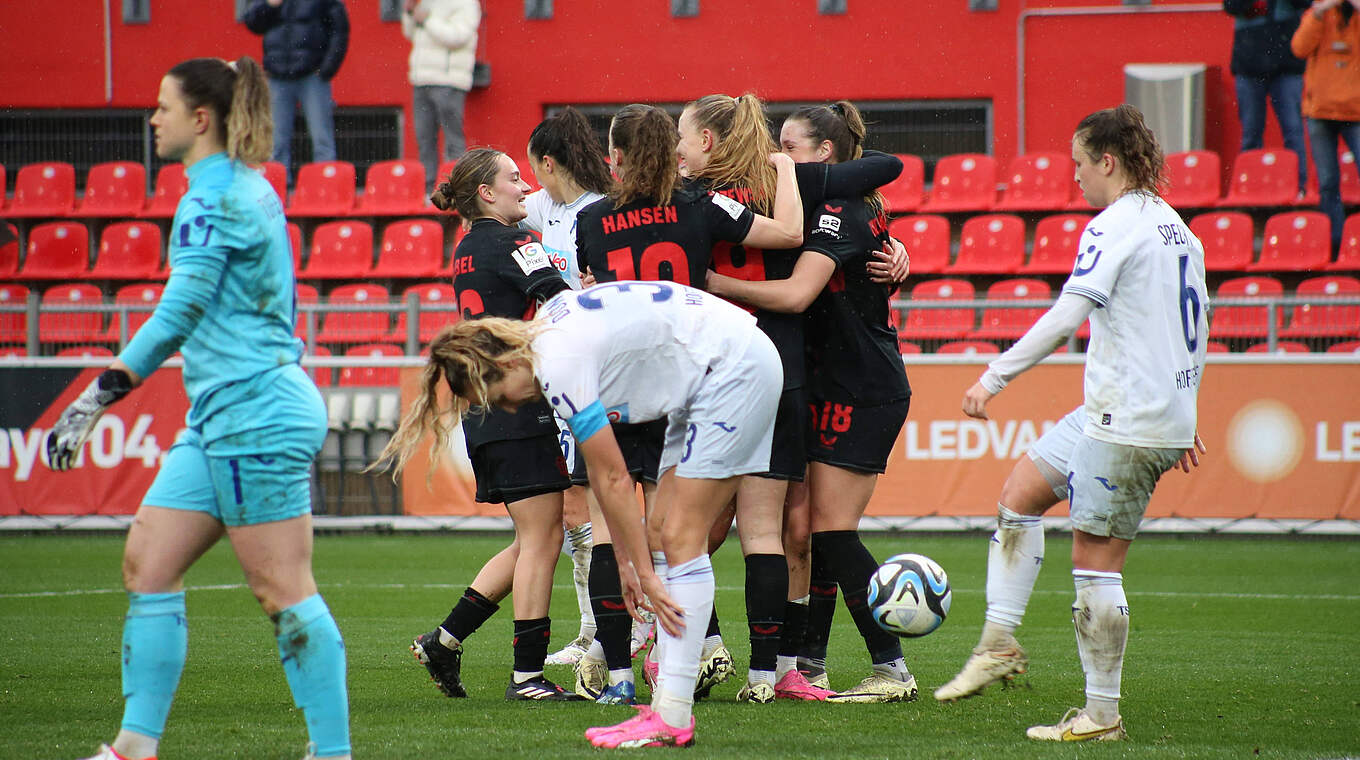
<point>729,424</point>
<point>1110,485</point>
<point>1054,448</point>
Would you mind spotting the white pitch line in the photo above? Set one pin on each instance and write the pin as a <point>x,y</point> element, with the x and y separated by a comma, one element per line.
<point>460,586</point>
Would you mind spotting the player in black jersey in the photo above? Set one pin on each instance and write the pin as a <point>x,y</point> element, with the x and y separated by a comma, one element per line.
<point>859,393</point>
<point>502,271</point>
<point>657,226</point>
<point>724,142</point>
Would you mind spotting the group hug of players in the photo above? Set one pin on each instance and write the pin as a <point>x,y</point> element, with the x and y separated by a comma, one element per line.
<point>600,389</point>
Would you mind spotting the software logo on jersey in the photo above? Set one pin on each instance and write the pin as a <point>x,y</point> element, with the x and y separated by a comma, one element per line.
<point>531,257</point>
<point>829,223</point>
<point>617,413</point>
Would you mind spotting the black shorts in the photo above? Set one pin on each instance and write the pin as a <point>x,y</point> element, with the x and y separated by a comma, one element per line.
<point>509,471</point>
<point>788,448</point>
<point>641,444</point>
<point>853,437</point>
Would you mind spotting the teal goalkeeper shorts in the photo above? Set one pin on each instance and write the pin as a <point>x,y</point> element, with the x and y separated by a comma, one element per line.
<point>248,477</point>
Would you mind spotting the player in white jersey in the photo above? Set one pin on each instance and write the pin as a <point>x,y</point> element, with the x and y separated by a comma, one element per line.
<point>632,352</point>
<point>570,165</point>
<point>1139,276</point>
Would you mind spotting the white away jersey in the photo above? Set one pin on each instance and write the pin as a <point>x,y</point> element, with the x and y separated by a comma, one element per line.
<point>1145,272</point>
<point>556,224</point>
<point>631,351</point>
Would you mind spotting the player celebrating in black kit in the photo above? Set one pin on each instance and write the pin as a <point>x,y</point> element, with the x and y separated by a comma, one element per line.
<point>500,270</point>
<point>725,143</point>
<point>859,393</point>
<point>656,226</point>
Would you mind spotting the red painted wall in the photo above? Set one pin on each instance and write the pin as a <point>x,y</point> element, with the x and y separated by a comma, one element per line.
<point>609,51</point>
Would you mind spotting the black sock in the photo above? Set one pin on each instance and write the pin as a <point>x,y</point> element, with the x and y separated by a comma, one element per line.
<point>612,623</point>
<point>767,583</point>
<point>795,625</point>
<point>713,629</point>
<point>853,566</point>
<point>468,614</point>
<point>821,608</point>
<point>531,644</point>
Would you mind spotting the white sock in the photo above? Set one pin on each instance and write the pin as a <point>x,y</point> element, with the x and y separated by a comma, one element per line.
<point>690,584</point>
<point>784,664</point>
<point>447,639</point>
<point>662,570</point>
<point>760,676</point>
<point>520,676</point>
<point>579,540</point>
<point>620,675</point>
<point>710,643</point>
<point>135,746</point>
<point>1014,557</point>
<point>896,669</point>
<point>1101,618</point>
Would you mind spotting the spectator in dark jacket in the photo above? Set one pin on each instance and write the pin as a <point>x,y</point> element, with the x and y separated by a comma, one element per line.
<point>1262,64</point>
<point>304,44</point>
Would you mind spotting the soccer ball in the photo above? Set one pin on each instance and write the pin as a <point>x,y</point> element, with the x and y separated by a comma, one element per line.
<point>909,595</point>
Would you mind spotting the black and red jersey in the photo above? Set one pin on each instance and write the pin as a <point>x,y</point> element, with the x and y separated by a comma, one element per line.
<point>501,271</point>
<point>852,178</point>
<point>852,346</point>
<point>643,241</point>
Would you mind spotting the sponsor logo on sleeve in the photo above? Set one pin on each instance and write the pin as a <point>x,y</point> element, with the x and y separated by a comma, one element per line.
<point>531,257</point>
<point>733,208</point>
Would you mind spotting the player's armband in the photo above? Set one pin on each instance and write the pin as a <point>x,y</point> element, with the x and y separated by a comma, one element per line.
<point>588,421</point>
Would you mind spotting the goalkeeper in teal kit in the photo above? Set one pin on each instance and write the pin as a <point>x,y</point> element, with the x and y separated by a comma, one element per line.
<point>255,423</point>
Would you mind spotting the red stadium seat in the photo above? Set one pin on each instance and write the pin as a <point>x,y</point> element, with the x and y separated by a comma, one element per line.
<point>57,251</point>
<point>71,327</point>
<point>44,189</point>
<point>129,251</point>
<point>393,188</point>
<point>277,176</point>
<point>1295,241</point>
<point>431,320</point>
<point>114,189</point>
<point>963,182</point>
<point>13,325</point>
<point>445,168</point>
<point>295,243</point>
<point>1192,179</point>
<point>1345,347</point>
<point>322,376</point>
<point>1009,324</point>
<point>141,294</point>
<point>926,237</point>
<point>1228,240</point>
<point>87,352</point>
<point>1246,321</point>
<point>1281,347</point>
<point>1350,179</point>
<point>903,195</point>
<point>1318,320</point>
<point>968,347</point>
<point>1055,244</point>
<point>906,347</point>
<point>385,376</point>
<point>12,352</point>
<point>411,248</point>
<point>938,324</point>
<point>307,294</point>
<point>171,185</point>
<point>359,326</point>
<point>9,255</point>
<point>324,188</point>
<point>1037,182</point>
<point>342,250</point>
<point>990,244</point>
<point>1217,347</point>
<point>1348,258</point>
<point>1263,177</point>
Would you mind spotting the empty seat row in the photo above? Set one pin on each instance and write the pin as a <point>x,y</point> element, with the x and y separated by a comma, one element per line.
<point>1043,181</point>
<point>1293,241</point>
<point>117,189</point>
<point>412,248</point>
<point>1316,319</point>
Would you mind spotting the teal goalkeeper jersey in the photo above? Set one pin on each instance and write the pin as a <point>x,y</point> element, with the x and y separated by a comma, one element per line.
<point>230,304</point>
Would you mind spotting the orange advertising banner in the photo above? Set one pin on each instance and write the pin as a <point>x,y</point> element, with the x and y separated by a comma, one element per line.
<point>1283,442</point>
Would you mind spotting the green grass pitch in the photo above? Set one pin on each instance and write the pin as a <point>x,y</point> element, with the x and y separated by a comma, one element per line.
<point>1239,648</point>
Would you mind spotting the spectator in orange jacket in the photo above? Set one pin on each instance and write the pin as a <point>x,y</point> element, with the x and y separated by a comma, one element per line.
<point>1328,38</point>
